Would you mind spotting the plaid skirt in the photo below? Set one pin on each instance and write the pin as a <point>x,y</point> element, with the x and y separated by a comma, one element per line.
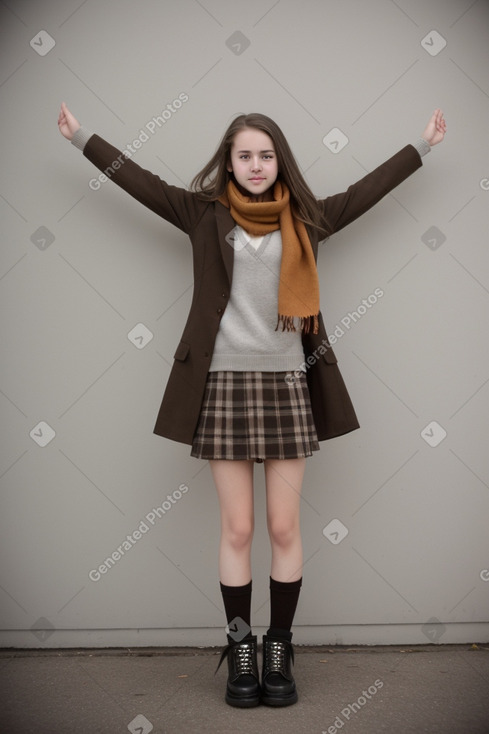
<point>255,415</point>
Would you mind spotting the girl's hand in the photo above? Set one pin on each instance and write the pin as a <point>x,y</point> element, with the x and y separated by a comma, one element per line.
<point>436,128</point>
<point>67,124</point>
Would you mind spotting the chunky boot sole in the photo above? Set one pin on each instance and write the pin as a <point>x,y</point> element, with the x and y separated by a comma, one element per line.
<point>242,702</point>
<point>280,700</point>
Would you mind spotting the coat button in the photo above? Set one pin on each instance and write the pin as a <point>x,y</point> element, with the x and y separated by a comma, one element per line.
<point>206,354</point>
<point>223,295</point>
<point>219,310</point>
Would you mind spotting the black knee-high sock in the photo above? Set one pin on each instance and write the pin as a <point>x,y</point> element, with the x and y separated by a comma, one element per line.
<point>237,603</point>
<point>283,602</point>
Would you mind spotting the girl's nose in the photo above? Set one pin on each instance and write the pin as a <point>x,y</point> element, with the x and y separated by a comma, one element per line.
<point>256,165</point>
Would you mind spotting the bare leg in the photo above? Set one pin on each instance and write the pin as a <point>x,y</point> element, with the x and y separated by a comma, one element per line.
<point>284,484</point>
<point>234,484</point>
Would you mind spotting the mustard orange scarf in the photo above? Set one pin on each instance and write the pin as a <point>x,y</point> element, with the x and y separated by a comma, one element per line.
<point>298,294</point>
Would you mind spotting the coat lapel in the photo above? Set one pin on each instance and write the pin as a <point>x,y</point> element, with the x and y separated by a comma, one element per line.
<point>225,226</point>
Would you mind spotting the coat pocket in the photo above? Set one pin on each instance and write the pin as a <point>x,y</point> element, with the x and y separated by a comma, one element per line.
<point>182,351</point>
<point>329,356</point>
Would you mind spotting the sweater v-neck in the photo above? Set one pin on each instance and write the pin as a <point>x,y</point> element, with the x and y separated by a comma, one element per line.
<point>255,244</point>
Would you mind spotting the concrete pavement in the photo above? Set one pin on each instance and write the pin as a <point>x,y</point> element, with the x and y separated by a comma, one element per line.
<point>437,689</point>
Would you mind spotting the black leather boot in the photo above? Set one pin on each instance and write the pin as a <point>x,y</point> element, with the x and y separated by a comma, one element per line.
<point>243,686</point>
<point>277,683</point>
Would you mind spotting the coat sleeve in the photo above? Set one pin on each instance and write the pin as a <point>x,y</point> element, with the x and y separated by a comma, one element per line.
<point>176,205</point>
<point>342,209</point>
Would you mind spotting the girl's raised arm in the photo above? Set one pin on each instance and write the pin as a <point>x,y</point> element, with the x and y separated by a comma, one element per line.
<point>342,209</point>
<point>178,206</point>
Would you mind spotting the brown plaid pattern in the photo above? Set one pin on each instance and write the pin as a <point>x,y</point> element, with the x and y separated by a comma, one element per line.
<point>255,415</point>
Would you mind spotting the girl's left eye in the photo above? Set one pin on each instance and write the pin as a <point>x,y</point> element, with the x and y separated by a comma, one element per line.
<point>267,156</point>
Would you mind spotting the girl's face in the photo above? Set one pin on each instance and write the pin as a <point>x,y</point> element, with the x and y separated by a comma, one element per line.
<point>254,162</point>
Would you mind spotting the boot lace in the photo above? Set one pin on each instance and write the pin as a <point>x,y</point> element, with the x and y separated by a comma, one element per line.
<point>275,657</point>
<point>243,656</point>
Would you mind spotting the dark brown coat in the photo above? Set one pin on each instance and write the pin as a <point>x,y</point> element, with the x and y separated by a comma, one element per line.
<point>207,225</point>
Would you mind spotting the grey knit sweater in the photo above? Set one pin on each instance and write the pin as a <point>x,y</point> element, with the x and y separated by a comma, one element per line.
<point>247,339</point>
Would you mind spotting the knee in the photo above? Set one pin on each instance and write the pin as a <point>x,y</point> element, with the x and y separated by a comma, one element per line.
<point>239,533</point>
<point>283,532</point>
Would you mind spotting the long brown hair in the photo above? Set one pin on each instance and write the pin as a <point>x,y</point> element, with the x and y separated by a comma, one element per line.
<point>210,183</point>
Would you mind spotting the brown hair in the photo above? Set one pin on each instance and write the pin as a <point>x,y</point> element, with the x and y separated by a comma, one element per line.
<point>210,183</point>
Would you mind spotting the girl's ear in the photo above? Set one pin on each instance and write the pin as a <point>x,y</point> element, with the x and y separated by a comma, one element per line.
<point>229,167</point>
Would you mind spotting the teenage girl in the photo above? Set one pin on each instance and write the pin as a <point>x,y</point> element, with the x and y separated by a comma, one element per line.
<point>239,386</point>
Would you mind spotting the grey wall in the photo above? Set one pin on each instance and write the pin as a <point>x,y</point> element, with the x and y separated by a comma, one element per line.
<point>81,268</point>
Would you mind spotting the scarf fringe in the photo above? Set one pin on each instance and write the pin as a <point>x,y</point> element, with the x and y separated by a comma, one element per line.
<point>305,323</point>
